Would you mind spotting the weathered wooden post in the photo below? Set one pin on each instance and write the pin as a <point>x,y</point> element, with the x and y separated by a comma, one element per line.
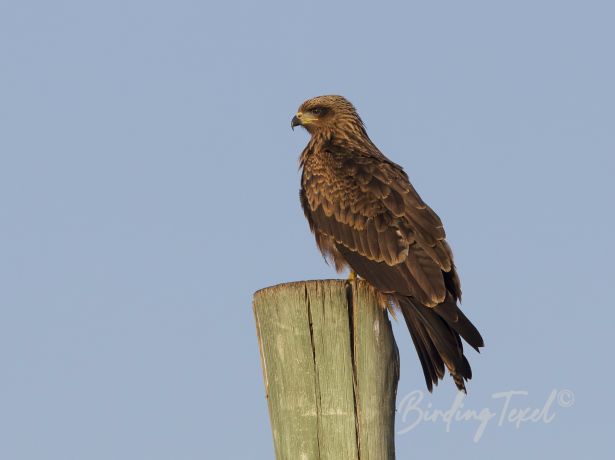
<point>331,366</point>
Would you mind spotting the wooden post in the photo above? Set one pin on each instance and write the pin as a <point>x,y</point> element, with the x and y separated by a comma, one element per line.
<point>331,366</point>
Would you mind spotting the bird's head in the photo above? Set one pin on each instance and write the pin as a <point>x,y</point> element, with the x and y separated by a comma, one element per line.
<point>327,113</point>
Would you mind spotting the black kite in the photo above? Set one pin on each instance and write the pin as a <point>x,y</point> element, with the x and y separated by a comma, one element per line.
<point>366,215</point>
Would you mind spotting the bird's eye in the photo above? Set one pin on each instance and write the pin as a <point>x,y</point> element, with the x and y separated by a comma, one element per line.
<point>317,111</point>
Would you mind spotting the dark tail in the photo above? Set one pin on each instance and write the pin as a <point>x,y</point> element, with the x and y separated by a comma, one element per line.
<point>436,333</point>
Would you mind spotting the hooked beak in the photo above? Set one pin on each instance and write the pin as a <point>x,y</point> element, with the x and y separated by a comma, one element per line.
<point>295,122</point>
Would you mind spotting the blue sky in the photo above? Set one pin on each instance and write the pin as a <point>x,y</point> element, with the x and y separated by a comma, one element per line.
<point>149,185</point>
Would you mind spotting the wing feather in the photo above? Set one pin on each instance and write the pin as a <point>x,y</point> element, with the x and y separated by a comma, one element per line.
<point>369,208</point>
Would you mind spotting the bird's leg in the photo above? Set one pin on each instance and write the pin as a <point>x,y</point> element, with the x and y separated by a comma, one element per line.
<point>353,279</point>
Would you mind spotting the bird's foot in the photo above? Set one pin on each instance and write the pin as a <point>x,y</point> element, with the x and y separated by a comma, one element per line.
<point>352,276</point>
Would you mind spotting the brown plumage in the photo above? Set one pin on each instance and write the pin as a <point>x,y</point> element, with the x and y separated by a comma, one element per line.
<point>366,215</point>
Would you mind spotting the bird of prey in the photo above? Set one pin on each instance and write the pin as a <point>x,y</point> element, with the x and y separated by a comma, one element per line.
<point>367,216</point>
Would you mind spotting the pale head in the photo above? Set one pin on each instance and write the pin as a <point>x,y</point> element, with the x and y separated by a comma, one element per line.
<point>326,113</point>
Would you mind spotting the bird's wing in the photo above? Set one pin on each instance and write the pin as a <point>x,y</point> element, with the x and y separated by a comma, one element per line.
<point>381,226</point>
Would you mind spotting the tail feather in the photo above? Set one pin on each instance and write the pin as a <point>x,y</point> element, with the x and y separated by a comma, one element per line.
<point>436,333</point>
<point>460,323</point>
<point>432,364</point>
